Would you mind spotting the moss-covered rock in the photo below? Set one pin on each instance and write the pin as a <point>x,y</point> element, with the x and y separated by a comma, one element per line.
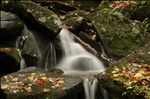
<point>141,55</point>
<point>60,7</point>
<point>34,82</point>
<point>73,23</point>
<point>119,35</point>
<point>129,67</point>
<point>10,60</point>
<point>35,16</point>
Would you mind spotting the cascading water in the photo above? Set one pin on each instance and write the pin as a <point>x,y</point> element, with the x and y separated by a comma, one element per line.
<point>77,60</point>
<point>90,88</point>
<point>51,57</point>
<point>103,51</point>
<point>19,45</point>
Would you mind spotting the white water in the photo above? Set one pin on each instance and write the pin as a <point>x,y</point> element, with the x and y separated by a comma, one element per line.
<point>103,51</point>
<point>78,61</point>
<point>19,45</point>
<point>76,58</point>
<point>51,57</point>
<point>90,88</point>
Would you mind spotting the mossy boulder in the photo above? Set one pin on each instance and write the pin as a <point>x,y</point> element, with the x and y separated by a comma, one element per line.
<point>10,60</point>
<point>35,16</point>
<point>40,84</point>
<point>60,7</point>
<point>119,35</point>
<point>132,64</point>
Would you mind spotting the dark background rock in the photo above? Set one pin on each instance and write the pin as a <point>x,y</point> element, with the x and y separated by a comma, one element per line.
<point>11,27</point>
<point>10,61</point>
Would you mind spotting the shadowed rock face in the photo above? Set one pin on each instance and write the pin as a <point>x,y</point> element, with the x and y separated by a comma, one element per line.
<point>72,85</point>
<point>10,61</point>
<point>11,27</point>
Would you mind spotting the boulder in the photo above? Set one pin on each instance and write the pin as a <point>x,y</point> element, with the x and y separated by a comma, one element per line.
<point>119,35</point>
<point>35,16</point>
<point>11,27</point>
<point>37,83</point>
<point>10,60</point>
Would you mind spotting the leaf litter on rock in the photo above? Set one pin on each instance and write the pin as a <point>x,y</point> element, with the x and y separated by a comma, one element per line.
<point>24,82</point>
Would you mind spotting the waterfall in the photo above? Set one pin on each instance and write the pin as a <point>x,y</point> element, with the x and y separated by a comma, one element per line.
<point>104,93</point>
<point>90,88</point>
<point>103,51</point>
<point>76,58</point>
<point>19,45</point>
<point>51,57</point>
<point>78,61</point>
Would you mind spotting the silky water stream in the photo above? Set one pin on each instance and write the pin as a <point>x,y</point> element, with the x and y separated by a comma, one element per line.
<point>77,61</point>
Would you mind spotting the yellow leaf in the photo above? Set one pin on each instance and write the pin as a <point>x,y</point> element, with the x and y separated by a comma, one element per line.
<point>43,78</point>
<point>115,75</point>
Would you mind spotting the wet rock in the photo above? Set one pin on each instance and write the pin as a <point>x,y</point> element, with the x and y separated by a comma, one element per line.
<point>73,24</point>
<point>10,60</point>
<point>90,41</point>
<point>11,27</point>
<point>68,87</point>
<point>35,16</point>
<point>35,48</point>
<point>119,35</point>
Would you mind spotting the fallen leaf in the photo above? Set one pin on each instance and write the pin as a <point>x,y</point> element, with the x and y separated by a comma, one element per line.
<point>45,90</point>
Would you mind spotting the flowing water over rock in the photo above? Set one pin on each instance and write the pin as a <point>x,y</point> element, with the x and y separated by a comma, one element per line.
<point>76,58</point>
<point>51,57</point>
<point>78,61</point>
